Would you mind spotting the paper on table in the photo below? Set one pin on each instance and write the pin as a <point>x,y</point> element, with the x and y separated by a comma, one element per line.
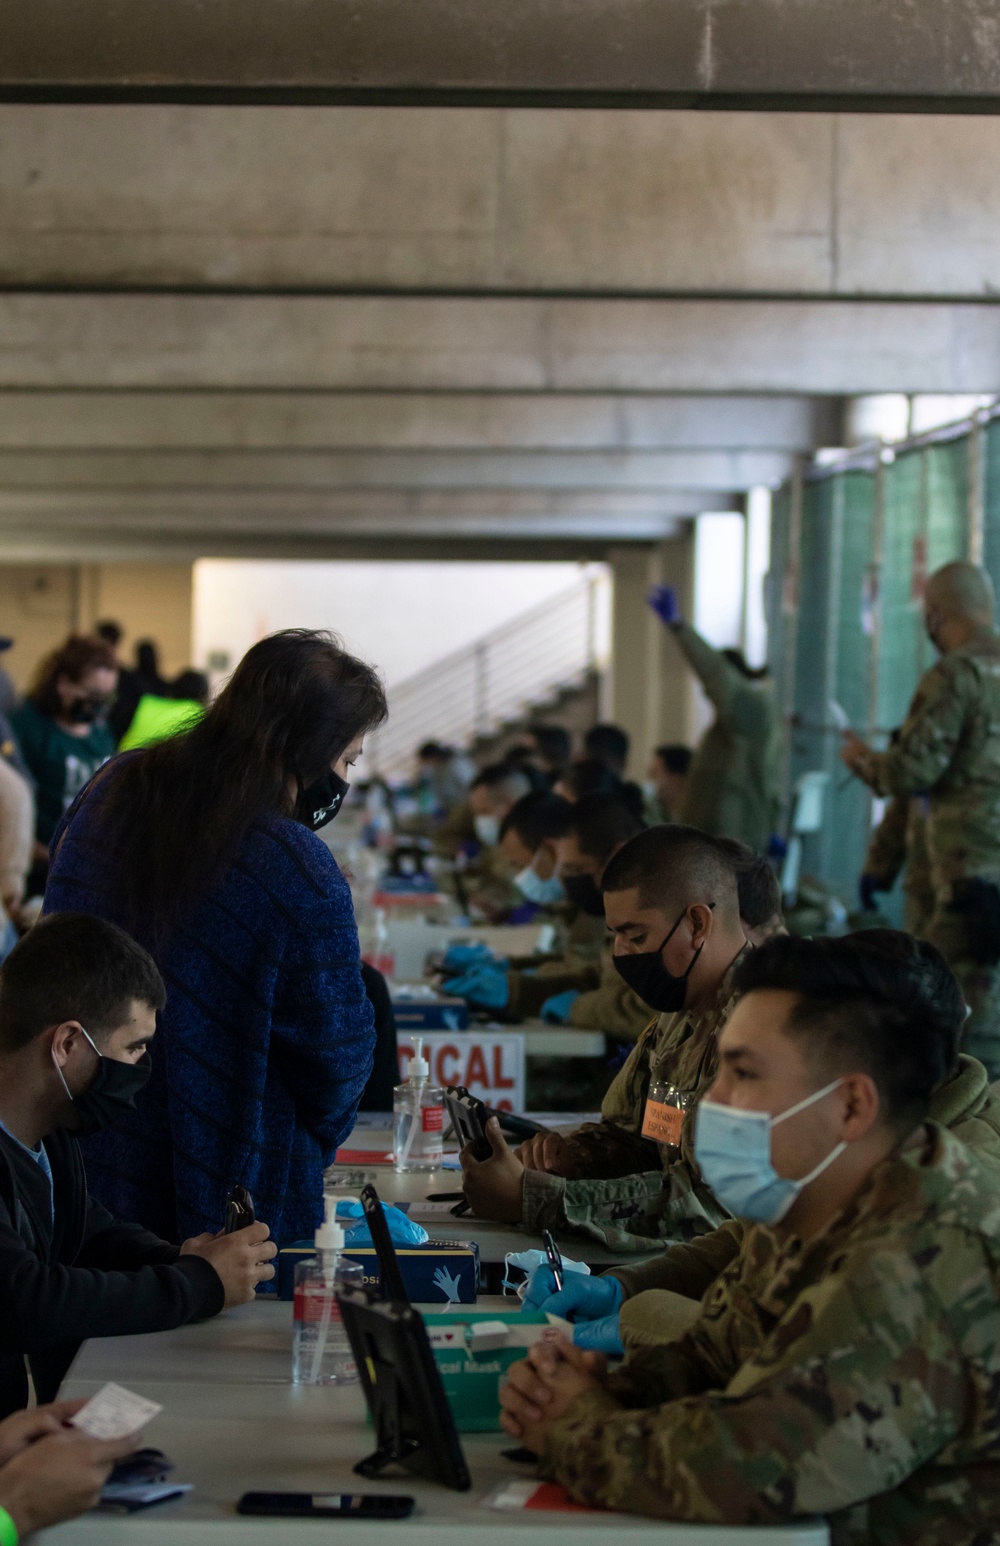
<point>529,1494</point>
<point>114,1413</point>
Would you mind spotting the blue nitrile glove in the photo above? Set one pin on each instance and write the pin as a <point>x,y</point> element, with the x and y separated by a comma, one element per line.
<point>867,887</point>
<point>663,600</point>
<point>557,1009</point>
<point>484,984</point>
<point>777,847</point>
<point>458,958</point>
<point>402,1231</point>
<point>581,1298</point>
<point>603,1336</point>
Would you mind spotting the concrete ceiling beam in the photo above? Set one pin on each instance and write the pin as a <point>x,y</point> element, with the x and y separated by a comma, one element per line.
<point>304,470</point>
<point>581,201</point>
<point>911,54</point>
<point>311,421</point>
<point>212,513</point>
<point>394,343</point>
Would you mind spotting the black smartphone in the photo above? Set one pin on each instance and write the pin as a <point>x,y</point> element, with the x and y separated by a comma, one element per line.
<point>325,1505</point>
<point>239,1210</point>
<point>468,1117</point>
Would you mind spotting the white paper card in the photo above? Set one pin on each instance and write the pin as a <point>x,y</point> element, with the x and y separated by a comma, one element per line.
<point>114,1413</point>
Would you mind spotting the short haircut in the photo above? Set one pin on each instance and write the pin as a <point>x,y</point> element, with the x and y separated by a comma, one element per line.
<point>610,743</point>
<point>603,823</point>
<point>879,1002</point>
<point>433,751</point>
<point>757,886</point>
<point>505,779</point>
<point>74,966</point>
<point>676,759</point>
<point>589,776</point>
<point>537,818</point>
<point>555,745</point>
<point>671,866</point>
<point>109,631</point>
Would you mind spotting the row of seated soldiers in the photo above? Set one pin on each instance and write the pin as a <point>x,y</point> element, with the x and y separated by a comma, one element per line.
<point>798,1138</point>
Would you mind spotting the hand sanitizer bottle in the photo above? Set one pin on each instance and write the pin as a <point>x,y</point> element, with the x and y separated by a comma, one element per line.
<point>321,1353</point>
<point>417,1116</point>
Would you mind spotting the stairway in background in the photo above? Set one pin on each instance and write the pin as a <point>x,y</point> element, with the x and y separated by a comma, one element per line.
<point>539,663</point>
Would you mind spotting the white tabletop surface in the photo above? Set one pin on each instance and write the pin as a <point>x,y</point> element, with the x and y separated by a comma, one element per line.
<point>233,1423</point>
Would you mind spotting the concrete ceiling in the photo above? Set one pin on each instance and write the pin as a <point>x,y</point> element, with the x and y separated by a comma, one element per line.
<point>284,329</point>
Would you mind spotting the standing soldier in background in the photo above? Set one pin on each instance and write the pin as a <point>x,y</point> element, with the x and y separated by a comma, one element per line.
<point>949,750</point>
<point>734,786</point>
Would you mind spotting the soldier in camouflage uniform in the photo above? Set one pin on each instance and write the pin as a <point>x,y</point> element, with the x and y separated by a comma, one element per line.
<point>847,1362</point>
<point>949,750</point>
<point>596,827</point>
<point>631,1179</point>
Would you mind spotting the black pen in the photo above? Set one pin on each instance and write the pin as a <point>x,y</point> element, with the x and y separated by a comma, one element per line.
<point>555,1260</point>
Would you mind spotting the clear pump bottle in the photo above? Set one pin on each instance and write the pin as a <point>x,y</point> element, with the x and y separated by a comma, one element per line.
<point>417,1116</point>
<point>321,1353</point>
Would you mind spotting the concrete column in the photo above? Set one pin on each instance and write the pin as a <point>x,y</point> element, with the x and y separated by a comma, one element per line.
<point>150,601</point>
<point>650,688</point>
<point>38,608</point>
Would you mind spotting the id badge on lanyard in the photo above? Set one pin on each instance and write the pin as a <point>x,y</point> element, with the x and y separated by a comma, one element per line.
<point>663,1117</point>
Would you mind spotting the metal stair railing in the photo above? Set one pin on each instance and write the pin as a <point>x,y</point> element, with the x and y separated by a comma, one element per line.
<point>495,679</point>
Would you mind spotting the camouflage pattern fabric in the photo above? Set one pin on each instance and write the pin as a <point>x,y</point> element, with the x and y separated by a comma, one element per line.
<point>634,1191</point>
<point>662,1296</point>
<point>734,786</point>
<point>855,1375</point>
<point>949,750</point>
<point>899,845</point>
<point>576,967</point>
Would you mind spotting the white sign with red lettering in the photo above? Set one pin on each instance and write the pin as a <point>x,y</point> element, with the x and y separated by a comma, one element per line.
<point>489,1063</point>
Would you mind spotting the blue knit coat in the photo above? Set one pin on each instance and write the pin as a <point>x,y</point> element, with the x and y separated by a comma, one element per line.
<point>265,1045</point>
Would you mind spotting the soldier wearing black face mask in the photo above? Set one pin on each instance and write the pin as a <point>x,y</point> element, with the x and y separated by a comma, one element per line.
<point>68,1269</point>
<point>582,988</point>
<point>671,901</point>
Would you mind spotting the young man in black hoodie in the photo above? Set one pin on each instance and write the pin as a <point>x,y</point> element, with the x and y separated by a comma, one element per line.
<point>78,1005</point>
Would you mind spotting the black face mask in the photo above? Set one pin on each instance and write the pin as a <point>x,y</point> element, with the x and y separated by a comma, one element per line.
<point>581,891</point>
<point>647,976</point>
<point>109,1096</point>
<point>86,711</point>
<point>320,802</point>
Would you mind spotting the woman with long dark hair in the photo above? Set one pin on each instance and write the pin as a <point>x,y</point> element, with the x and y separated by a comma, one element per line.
<point>203,847</point>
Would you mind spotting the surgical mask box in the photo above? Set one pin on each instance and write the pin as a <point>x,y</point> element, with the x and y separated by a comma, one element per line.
<point>430,1014</point>
<point>438,1272</point>
<point>473,1350</point>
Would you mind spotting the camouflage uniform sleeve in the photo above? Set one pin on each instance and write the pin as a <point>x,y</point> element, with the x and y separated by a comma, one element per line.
<point>930,735</point>
<point>629,1214</point>
<point>860,1384</point>
<point>716,675</point>
<point>687,1268</point>
<point>887,850</point>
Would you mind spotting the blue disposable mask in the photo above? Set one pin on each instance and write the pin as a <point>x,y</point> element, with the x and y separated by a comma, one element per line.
<point>733,1151</point>
<point>544,893</point>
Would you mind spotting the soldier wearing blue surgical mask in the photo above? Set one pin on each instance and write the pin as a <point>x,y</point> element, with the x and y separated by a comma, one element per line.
<point>847,1362</point>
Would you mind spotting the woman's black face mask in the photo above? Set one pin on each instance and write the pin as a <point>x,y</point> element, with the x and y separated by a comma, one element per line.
<point>320,802</point>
